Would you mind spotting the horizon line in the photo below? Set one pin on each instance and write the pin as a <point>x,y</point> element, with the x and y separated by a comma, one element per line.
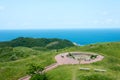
<point>59,28</point>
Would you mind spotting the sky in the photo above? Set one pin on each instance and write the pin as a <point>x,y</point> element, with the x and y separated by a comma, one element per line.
<point>59,14</point>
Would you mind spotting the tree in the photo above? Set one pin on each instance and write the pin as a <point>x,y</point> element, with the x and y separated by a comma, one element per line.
<point>36,72</point>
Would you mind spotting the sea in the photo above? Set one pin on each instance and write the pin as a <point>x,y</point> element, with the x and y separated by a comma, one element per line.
<point>79,36</point>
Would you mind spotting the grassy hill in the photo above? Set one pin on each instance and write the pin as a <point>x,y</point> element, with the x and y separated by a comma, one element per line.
<point>111,63</point>
<point>21,47</point>
<point>53,43</point>
<point>12,70</point>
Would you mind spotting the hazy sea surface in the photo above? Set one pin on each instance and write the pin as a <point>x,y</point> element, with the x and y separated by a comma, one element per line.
<point>80,36</point>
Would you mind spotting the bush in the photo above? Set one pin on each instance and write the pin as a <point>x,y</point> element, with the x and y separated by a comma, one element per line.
<point>38,77</point>
<point>36,72</point>
<point>93,56</point>
<point>13,57</point>
<point>35,69</point>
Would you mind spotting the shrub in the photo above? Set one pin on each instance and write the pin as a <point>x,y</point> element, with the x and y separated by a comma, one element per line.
<point>38,77</point>
<point>93,56</point>
<point>13,57</point>
<point>36,72</point>
<point>35,69</point>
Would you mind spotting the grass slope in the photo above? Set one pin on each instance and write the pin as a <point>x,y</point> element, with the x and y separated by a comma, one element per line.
<point>13,70</point>
<point>111,63</point>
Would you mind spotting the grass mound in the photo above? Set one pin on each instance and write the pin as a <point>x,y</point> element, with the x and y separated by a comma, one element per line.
<point>17,53</point>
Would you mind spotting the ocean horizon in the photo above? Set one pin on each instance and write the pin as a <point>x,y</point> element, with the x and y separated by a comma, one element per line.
<point>79,36</point>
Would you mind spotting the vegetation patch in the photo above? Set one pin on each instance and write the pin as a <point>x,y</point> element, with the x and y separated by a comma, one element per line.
<point>14,61</point>
<point>36,72</point>
<point>95,77</point>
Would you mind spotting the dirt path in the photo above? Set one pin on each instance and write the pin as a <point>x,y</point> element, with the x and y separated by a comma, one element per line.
<point>50,67</point>
<point>25,78</point>
<point>63,59</point>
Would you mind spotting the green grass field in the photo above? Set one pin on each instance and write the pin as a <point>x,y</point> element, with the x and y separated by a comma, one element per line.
<point>13,70</point>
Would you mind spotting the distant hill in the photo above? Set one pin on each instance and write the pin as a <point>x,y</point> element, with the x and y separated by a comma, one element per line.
<point>24,47</point>
<point>53,43</point>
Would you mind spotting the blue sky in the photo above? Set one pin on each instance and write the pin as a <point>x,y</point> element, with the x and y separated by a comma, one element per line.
<point>62,14</point>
